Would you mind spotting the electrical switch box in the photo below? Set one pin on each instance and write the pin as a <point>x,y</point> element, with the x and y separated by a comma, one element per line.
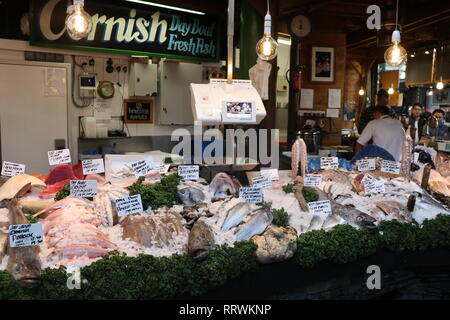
<point>143,80</point>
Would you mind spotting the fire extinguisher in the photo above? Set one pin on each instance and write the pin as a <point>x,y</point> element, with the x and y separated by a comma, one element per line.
<point>296,77</point>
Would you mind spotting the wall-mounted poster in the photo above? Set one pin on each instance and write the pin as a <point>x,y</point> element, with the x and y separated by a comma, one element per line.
<point>138,111</point>
<point>322,64</point>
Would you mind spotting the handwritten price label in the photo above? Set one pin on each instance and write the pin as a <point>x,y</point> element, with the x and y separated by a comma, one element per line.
<point>142,167</point>
<point>251,195</point>
<point>390,167</point>
<point>83,188</point>
<point>313,180</point>
<point>320,207</point>
<point>93,166</point>
<point>56,157</point>
<point>262,182</point>
<point>371,187</point>
<point>11,169</point>
<point>189,172</point>
<point>129,205</point>
<point>329,163</point>
<point>366,165</point>
<point>26,235</point>
<point>272,174</point>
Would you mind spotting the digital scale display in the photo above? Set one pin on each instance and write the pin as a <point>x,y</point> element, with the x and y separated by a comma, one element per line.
<point>239,111</point>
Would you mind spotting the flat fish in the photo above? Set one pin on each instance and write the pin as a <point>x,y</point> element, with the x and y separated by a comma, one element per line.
<point>24,263</point>
<point>236,215</point>
<point>256,225</point>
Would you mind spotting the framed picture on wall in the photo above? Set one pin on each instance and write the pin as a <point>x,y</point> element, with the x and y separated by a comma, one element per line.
<point>138,111</point>
<point>322,64</point>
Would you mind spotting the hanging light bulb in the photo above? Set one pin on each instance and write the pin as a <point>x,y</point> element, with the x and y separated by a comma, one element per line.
<point>361,92</point>
<point>78,21</point>
<point>395,55</point>
<point>440,85</point>
<point>430,92</point>
<point>391,89</point>
<point>267,47</point>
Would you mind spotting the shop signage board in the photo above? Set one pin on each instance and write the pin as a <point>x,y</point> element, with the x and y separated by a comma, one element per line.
<point>329,163</point>
<point>92,166</point>
<point>251,195</point>
<point>83,188</point>
<point>262,182</point>
<point>129,205</point>
<point>25,235</point>
<point>366,165</point>
<point>57,157</point>
<point>390,167</point>
<point>11,169</point>
<point>189,172</point>
<point>129,28</point>
<point>313,180</point>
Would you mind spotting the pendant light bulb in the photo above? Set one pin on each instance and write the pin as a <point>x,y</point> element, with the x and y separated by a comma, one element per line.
<point>267,47</point>
<point>391,89</point>
<point>440,85</point>
<point>78,21</point>
<point>395,55</point>
<point>361,92</point>
<point>430,92</point>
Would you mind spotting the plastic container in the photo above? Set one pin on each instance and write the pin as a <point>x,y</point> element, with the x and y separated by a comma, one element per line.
<point>89,127</point>
<point>102,131</point>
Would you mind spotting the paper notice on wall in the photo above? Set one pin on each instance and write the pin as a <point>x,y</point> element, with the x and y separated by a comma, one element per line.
<point>102,109</point>
<point>334,98</point>
<point>333,113</point>
<point>11,169</point>
<point>306,98</point>
<point>55,82</point>
<point>251,195</point>
<point>26,235</point>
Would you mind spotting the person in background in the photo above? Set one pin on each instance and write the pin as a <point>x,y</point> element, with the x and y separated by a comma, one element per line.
<point>416,121</point>
<point>386,133</point>
<point>436,126</point>
<point>367,115</point>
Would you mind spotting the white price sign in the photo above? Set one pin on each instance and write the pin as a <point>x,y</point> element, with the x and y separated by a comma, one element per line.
<point>368,177</point>
<point>83,188</point>
<point>129,205</point>
<point>11,169</point>
<point>329,163</point>
<point>56,157</point>
<point>366,165</point>
<point>313,180</point>
<point>25,235</point>
<point>142,167</point>
<point>189,172</point>
<point>93,166</point>
<point>251,195</point>
<point>163,168</point>
<point>390,167</point>
<point>371,187</point>
<point>320,207</point>
<point>262,182</point>
<point>272,174</point>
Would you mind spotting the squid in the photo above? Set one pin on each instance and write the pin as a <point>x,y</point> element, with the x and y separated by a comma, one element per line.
<point>299,154</point>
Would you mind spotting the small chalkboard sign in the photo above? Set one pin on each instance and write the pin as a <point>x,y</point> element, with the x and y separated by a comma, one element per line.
<point>138,111</point>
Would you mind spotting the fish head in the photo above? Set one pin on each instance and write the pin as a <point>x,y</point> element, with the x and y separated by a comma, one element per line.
<point>364,220</point>
<point>184,194</point>
<point>26,273</point>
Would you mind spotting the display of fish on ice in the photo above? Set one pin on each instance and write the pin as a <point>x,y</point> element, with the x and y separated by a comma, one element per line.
<point>72,235</point>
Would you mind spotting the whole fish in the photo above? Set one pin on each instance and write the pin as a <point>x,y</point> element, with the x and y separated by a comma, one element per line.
<point>24,263</point>
<point>256,225</point>
<point>236,215</point>
<point>353,216</point>
<point>190,195</point>
<point>425,207</point>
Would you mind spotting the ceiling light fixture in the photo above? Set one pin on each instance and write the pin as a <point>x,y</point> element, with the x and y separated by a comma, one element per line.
<point>395,55</point>
<point>427,52</point>
<point>361,91</point>
<point>267,47</point>
<point>167,6</point>
<point>78,21</point>
<point>440,84</point>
